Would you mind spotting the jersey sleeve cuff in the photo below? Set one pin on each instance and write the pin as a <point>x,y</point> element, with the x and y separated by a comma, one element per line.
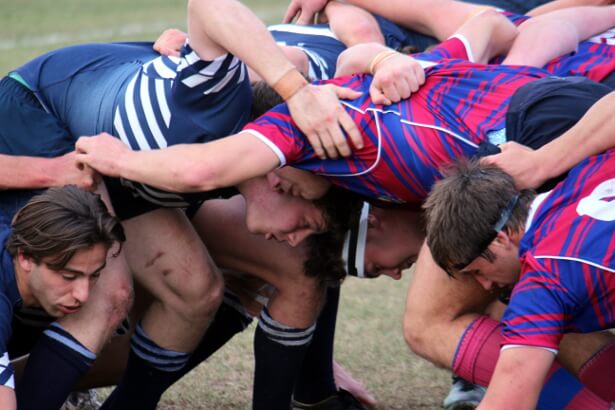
<point>269,144</point>
<point>512,346</point>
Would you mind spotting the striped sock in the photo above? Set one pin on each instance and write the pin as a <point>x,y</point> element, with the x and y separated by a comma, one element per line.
<point>278,351</point>
<point>478,352</point>
<point>56,363</point>
<point>316,382</point>
<point>597,373</point>
<point>150,371</point>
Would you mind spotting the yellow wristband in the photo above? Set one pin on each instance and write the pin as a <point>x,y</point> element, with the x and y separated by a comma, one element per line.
<point>379,58</point>
<point>289,84</point>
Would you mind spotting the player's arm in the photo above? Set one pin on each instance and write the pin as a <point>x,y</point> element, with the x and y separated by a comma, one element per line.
<point>518,378</point>
<point>364,27</point>
<point>591,135</point>
<point>436,18</point>
<point>213,27</point>
<point>396,75</point>
<point>303,10</point>
<point>21,172</point>
<point>7,398</point>
<point>180,168</point>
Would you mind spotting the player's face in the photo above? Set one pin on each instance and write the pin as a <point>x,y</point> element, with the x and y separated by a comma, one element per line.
<point>283,217</point>
<point>500,274</point>
<point>65,291</point>
<point>298,183</point>
<point>392,248</point>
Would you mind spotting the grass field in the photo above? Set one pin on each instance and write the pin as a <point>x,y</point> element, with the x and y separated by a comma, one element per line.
<point>369,341</point>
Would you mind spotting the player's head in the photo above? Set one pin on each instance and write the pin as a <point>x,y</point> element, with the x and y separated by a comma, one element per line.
<point>264,98</point>
<point>281,216</point>
<point>59,242</point>
<point>474,218</point>
<point>383,242</point>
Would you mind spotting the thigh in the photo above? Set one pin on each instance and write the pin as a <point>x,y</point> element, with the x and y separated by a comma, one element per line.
<point>166,255</point>
<point>434,295</point>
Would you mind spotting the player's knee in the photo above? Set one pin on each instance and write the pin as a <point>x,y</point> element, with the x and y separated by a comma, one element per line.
<point>120,302</point>
<point>415,334</point>
<point>201,296</point>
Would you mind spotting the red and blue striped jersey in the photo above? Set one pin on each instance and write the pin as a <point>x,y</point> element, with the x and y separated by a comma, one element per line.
<point>406,144</point>
<point>567,281</point>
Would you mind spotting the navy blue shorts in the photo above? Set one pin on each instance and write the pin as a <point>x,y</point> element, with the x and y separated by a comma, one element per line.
<point>544,109</point>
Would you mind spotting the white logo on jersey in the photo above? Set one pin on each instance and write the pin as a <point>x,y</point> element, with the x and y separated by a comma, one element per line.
<point>595,206</point>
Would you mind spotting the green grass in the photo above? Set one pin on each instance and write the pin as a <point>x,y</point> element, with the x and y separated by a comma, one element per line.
<point>29,28</point>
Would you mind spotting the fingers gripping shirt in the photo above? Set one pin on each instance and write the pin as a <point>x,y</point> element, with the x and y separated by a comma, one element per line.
<point>407,143</point>
<point>567,254</point>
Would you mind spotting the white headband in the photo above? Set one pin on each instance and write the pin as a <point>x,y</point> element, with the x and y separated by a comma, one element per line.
<point>353,252</point>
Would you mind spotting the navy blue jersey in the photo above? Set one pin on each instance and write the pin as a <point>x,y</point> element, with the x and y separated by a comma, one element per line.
<point>9,301</point>
<point>318,42</point>
<point>147,100</point>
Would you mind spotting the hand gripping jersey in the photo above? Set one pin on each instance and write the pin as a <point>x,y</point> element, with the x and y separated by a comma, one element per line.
<point>567,281</point>
<point>407,143</point>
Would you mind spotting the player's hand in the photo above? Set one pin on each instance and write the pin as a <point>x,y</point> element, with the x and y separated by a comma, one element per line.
<point>318,112</point>
<point>304,10</point>
<point>102,152</point>
<point>170,42</point>
<point>395,79</point>
<point>70,172</point>
<point>520,162</point>
<point>344,380</point>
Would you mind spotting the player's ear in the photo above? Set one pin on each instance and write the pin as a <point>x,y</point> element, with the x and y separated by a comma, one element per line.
<point>25,262</point>
<point>373,221</point>
<point>503,239</point>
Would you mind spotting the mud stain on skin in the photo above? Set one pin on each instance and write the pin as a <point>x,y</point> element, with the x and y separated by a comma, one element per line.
<point>158,255</point>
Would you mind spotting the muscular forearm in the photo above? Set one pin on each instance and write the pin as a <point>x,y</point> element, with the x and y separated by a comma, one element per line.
<point>28,172</point>
<point>357,59</point>
<point>437,18</point>
<point>180,168</point>
<point>221,21</point>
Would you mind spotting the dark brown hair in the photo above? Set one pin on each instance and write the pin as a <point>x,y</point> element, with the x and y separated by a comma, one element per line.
<point>54,225</point>
<point>341,209</point>
<point>463,209</point>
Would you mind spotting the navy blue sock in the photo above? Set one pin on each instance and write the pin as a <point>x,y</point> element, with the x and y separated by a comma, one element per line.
<point>231,318</point>
<point>278,352</point>
<point>55,365</point>
<point>316,381</point>
<point>151,369</point>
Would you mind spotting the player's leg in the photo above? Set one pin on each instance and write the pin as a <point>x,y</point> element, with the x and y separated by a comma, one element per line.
<point>441,323</point>
<point>561,4</point>
<point>550,35</point>
<point>283,336</point>
<point>170,262</point>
